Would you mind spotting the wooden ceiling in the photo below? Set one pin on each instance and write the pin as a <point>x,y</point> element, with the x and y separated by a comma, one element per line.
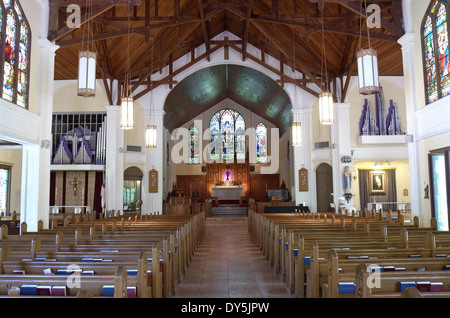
<point>149,35</point>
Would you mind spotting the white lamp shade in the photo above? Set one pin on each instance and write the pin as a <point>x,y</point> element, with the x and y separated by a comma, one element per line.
<point>126,112</point>
<point>87,63</point>
<point>150,136</point>
<point>326,108</point>
<point>368,71</point>
<point>296,134</point>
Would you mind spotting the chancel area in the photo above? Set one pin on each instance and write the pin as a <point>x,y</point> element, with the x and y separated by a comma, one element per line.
<point>119,112</point>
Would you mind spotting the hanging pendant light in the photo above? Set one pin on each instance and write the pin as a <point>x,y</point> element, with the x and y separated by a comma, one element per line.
<point>151,130</point>
<point>127,102</point>
<point>297,134</point>
<point>297,137</point>
<point>87,63</point>
<point>326,108</point>
<point>368,71</point>
<point>367,61</point>
<point>326,100</point>
<point>127,107</point>
<point>150,136</point>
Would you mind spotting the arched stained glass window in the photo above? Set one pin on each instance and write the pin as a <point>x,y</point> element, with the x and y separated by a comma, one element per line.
<point>261,143</point>
<point>240,137</point>
<point>227,129</point>
<point>16,41</point>
<point>436,51</point>
<point>227,132</point>
<point>214,126</point>
<point>194,145</point>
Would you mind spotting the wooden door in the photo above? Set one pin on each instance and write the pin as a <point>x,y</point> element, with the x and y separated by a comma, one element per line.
<point>324,187</point>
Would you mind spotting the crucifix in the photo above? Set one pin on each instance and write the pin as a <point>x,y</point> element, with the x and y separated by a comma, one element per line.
<point>75,183</point>
<point>76,138</point>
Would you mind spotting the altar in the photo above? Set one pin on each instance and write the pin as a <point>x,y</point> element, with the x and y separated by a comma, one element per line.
<point>227,192</point>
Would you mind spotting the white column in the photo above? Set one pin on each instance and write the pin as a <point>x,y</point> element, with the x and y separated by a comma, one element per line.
<point>302,159</point>
<point>114,160</point>
<point>153,202</point>
<point>31,192</point>
<point>341,146</point>
<point>47,64</point>
<point>410,70</point>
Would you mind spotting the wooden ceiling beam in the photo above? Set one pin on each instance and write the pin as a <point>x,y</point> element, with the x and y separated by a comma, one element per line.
<point>352,5</point>
<point>224,5</point>
<point>204,28</point>
<point>98,7</point>
<point>147,20</point>
<point>299,83</point>
<point>246,29</point>
<point>331,27</point>
<point>147,70</point>
<point>187,31</point>
<point>169,78</point>
<point>268,35</point>
<point>347,81</point>
<point>104,68</point>
<point>144,31</point>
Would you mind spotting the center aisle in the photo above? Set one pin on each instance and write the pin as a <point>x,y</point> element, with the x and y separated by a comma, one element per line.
<point>228,264</point>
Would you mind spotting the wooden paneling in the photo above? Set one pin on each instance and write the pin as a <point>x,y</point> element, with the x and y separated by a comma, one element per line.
<point>239,172</point>
<point>260,183</point>
<point>255,185</point>
<point>191,183</point>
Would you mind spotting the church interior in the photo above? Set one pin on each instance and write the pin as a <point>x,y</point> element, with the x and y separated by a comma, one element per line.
<point>253,110</point>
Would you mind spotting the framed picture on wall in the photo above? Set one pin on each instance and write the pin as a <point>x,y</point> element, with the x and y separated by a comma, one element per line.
<point>377,182</point>
<point>303,179</point>
<point>153,181</point>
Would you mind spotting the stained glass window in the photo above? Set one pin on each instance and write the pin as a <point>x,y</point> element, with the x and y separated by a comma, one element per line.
<point>4,183</point>
<point>227,129</point>
<point>261,143</point>
<point>240,138</point>
<point>227,133</point>
<point>436,51</point>
<point>16,36</point>
<point>194,145</point>
<point>214,127</point>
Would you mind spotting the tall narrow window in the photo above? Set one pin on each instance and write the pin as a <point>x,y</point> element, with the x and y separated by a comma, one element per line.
<point>4,191</point>
<point>214,127</point>
<point>194,147</point>
<point>22,74</point>
<point>240,138</point>
<point>227,132</point>
<point>436,51</point>
<point>261,143</point>
<point>16,42</point>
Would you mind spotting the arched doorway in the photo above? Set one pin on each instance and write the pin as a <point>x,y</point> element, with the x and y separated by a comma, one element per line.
<point>324,187</point>
<point>132,188</point>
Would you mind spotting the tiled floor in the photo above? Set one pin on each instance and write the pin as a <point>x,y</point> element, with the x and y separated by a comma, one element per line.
<point>228,264</point>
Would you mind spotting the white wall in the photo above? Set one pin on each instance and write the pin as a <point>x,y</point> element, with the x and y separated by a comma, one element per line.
<point>28,127</point>
<point>430,123</point>
<point>393,88</point>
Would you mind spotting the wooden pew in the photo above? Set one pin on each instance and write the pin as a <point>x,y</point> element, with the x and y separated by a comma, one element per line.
<point>172,247</point>
<point>388,284</point>
<point>89,284</point>
<point>282,258</point>
<point>267,232</point>
<point>344,270</point>
<point>139,267</point>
